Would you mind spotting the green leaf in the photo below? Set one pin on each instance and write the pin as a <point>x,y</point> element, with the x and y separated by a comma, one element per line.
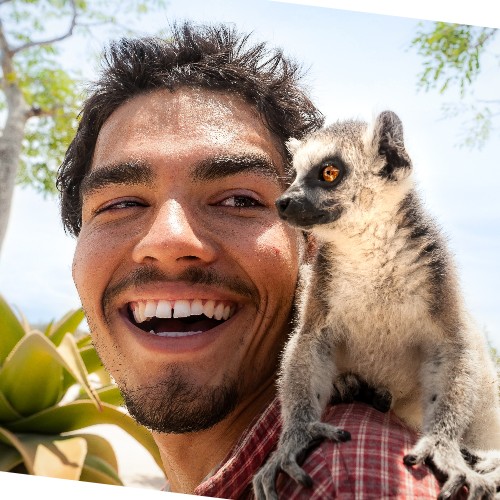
<point>96,470</point>
<point>110,394</point>
<point>13,440</point>
<point>68,323</point>
<point>97,446</point>
<point>48,329</point>
<point>31,377</point>
<point>57,456</point>
<point>84,342</point>
<point>11,330</point>
<point>53,456</point>
<point>41,365</point>
<point>9,458</point>
<point>80,414</point>
<point>7,413</point>
<point>90,358</point>
<point>75,365</point>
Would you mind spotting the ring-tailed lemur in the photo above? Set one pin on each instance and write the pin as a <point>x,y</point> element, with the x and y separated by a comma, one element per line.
<point>382,303</point>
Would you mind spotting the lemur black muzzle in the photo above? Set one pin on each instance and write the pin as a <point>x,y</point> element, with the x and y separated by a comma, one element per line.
<point>300,211</point>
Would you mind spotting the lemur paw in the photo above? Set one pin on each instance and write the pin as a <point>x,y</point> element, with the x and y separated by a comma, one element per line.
<point>349,387</point>
<point>293,449</point>
<point>448,465</point>
<point>482,461</point>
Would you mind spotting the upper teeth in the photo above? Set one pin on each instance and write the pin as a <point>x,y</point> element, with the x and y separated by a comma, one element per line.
<point>147,309</point>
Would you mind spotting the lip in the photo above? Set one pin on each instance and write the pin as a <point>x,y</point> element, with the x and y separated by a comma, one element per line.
<point>175,345</point>
<point>168,291</point>
<point>172,292</point>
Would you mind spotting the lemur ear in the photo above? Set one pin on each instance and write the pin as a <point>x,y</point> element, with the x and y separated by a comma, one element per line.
<point>292,145</point>
<point>388,138</point>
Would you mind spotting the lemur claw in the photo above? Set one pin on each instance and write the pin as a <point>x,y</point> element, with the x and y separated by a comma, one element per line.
<point>447,463</point>
<point>293,450</point>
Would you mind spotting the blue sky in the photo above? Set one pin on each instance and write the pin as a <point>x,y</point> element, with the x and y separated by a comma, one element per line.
<point>358,64</point>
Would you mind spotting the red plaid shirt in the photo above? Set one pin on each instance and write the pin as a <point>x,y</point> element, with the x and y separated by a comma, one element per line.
<point>368,466</point>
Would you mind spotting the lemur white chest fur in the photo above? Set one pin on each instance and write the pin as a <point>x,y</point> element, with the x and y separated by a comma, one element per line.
<point>380,304</point>
<point>378,290</point>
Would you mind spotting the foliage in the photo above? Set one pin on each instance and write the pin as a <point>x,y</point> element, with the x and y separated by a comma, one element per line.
<point>34,30</point>
<point>452,56</point>
<point>46,394</point>
<point>53,96</point>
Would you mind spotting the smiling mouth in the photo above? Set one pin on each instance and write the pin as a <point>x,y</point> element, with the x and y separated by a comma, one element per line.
<point>179,318</point>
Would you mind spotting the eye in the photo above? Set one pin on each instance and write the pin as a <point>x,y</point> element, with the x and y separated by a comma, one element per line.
<point>329,173</point>
<point>240,201</point>
<point>118,205</point>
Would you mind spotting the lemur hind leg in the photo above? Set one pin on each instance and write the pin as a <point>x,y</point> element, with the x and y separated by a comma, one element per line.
<point>449,405</point>
<point>306,386</point>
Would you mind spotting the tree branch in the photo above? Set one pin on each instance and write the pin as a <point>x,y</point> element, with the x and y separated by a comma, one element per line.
<point>490,33</point>
<point>49,41</point>
<point>5,53</point>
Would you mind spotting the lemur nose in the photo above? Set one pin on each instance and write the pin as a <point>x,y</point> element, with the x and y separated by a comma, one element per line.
<point>282,203</point>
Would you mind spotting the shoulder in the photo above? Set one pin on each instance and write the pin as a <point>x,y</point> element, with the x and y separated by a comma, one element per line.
<point>368,466</point>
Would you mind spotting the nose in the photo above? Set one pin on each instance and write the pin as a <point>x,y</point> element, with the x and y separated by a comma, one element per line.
<point>174,238</point>
<point>282,204</point>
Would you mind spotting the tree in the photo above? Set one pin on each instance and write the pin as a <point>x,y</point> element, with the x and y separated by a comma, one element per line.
<point>452,58</point>
<point>39,99</point>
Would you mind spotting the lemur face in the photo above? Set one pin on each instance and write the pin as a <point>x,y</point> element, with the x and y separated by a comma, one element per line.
<point>343,169</point>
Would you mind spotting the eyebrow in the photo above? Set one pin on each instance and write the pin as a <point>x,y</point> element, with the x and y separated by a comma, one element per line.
<point>137,172</point>
<point>219,167</point>
<point>127,173</point>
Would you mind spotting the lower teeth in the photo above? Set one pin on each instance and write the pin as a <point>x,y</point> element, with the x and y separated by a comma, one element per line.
<point>174,334</point>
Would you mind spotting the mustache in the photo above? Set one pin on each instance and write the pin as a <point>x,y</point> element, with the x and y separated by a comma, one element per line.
<point>147,275</point>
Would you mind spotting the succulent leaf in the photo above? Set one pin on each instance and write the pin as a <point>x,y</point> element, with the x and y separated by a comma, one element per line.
<point>82,413</point>
<point>7,413</point>
<point>11,330</point>
<point>110,394</point>
<point>90,358</point>
<point>97,470</point>
<point>99,447</point>
<point>48,455</point>
<point>9,458</point>
<point>31,376</point>
<point>84,341</point>
<point>41,408</point>
<point>76,367</point>
<point>57,456</point>
<point>67,324</point>
<point>13,440</point>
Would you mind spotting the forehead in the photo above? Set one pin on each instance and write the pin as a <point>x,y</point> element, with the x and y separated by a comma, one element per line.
<point>183,124</point>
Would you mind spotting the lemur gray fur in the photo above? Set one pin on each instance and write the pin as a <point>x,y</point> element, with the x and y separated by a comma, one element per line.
<point>382,305</point>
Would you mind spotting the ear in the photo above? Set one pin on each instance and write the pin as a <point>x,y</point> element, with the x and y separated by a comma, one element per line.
<point>388,139</point>
<point>292,145</point>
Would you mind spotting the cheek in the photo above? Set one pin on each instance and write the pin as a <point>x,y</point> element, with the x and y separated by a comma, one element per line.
<point>277,248</point>
<point>95,259</point>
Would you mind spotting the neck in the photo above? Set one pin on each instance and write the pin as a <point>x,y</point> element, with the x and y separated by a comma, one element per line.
<point>189,458</point>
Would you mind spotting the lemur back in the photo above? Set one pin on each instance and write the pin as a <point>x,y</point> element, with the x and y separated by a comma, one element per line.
<point>381,306</point>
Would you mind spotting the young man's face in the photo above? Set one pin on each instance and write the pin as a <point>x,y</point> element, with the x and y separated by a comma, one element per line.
<point>178,214</point>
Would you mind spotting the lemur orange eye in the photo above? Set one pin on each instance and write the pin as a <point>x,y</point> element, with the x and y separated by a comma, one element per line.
<point>330,173</point>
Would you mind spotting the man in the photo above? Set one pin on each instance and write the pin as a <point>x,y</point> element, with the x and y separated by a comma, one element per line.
<point>186,273</point>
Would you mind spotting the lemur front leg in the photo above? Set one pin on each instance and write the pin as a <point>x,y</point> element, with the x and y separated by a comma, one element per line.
<point>308,371</point>
<point>449,404</point>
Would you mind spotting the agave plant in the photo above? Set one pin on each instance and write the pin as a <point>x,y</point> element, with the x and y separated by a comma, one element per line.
<point>46,395</point>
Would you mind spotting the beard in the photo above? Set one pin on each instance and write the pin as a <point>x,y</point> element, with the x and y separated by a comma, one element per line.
<point>177,406</point>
